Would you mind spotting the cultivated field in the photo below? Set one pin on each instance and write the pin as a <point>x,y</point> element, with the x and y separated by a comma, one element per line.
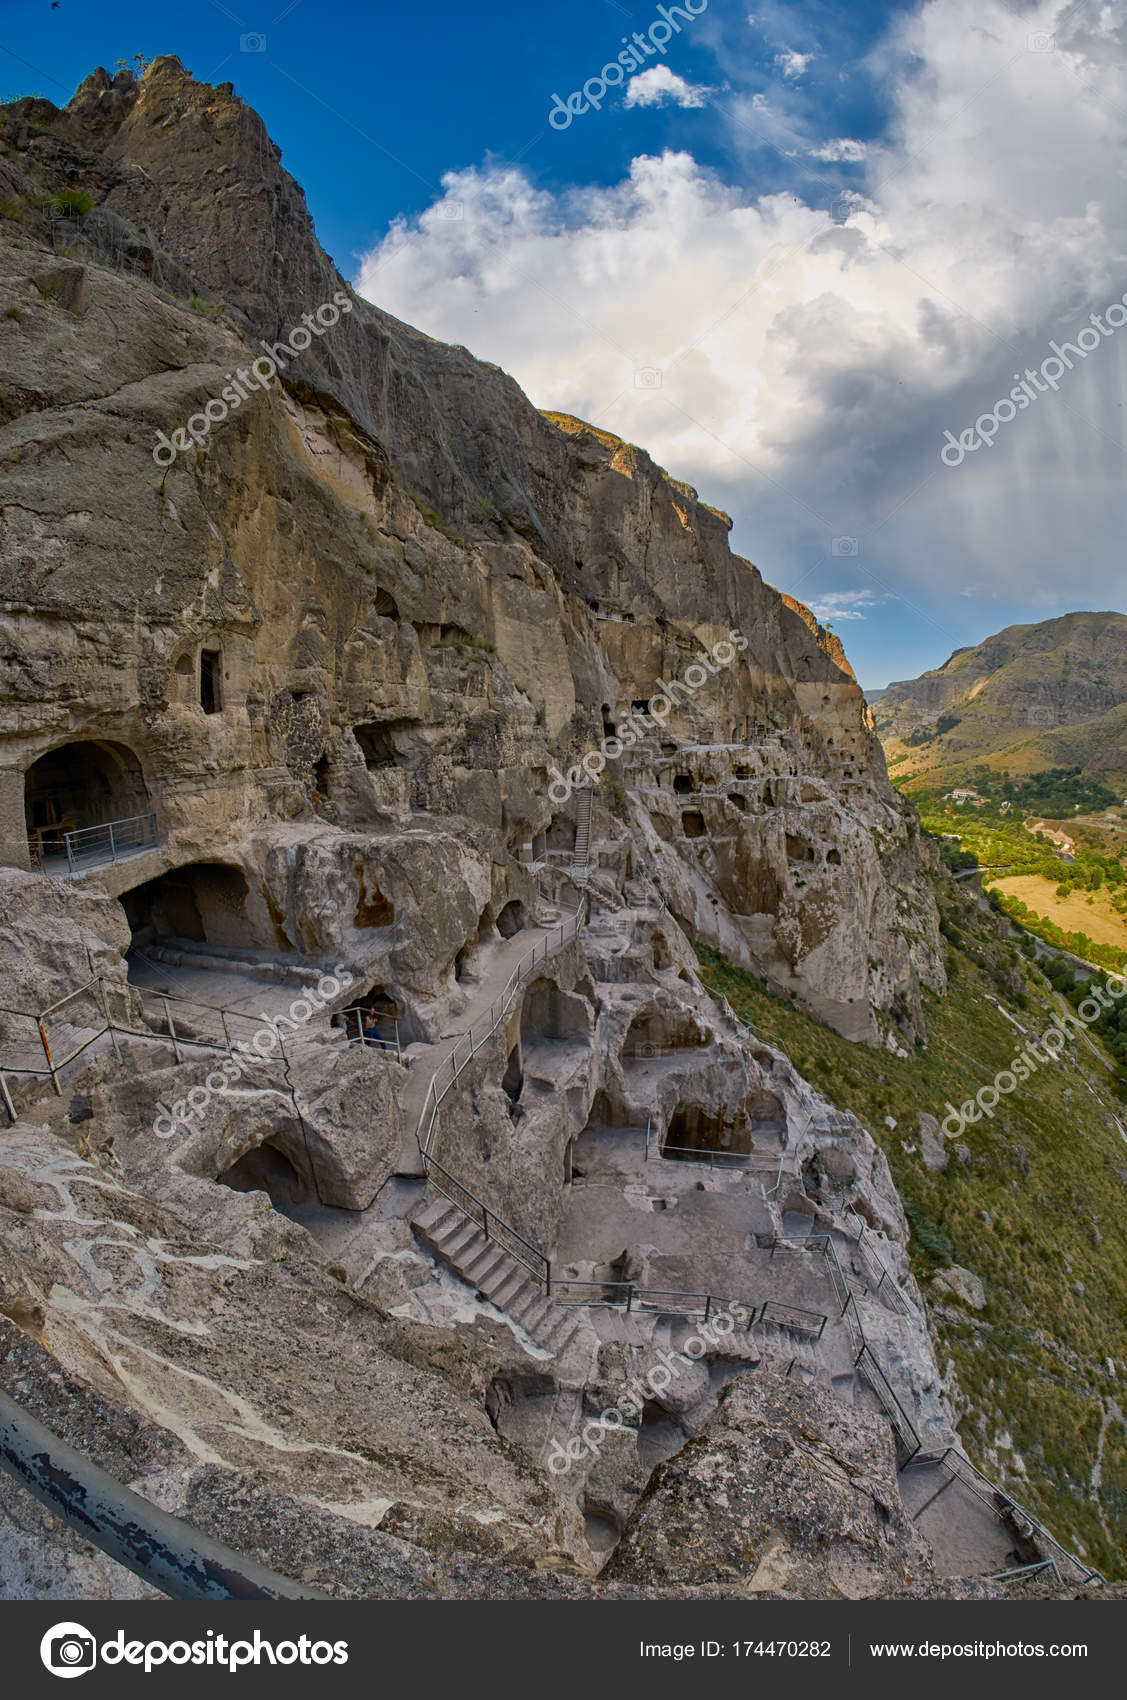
<point>1074,914</point>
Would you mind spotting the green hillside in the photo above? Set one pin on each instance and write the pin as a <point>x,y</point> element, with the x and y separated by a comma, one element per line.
<point>1030,699</point>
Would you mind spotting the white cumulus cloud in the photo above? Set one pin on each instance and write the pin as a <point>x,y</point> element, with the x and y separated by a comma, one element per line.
<point>841,149</point>
<point>792,64</point>
<point>659,84</point>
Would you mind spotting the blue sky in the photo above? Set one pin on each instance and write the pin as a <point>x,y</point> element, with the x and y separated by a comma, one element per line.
<point>830,231</point>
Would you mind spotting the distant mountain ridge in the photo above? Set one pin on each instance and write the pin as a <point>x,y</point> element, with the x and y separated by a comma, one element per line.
<point>1029,698</point>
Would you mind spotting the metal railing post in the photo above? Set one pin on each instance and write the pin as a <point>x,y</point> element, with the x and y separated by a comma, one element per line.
<point>70,853</point>
<point>113,843</point>
<point>47,1054</point>
<point>629,1297</point>
<point>109,1024</point>
<point>226,1030</point>
<point>172,1031</point>
<point>7,1096</point>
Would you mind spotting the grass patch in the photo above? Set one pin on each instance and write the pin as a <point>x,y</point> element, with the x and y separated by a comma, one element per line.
<point>72,203</point>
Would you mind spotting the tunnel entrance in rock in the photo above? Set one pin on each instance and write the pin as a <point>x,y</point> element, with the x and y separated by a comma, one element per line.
<point>512,919</point>
<point>464,961</point>
<point>376,1018</point>
<point>82,785</point>
<point>512,1081</point>
<point>660,1435</point>
<point>692,824</point>
<point>682,784</point>
<point>202,903</point>
<point>389,743</point>
<point>211,681</point>
<point>268,1169</point>
<point>661,955</point>
<point>695,1135</point>
<point>658,1033</point>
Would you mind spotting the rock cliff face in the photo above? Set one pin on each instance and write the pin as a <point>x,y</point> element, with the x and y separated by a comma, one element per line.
<point>423,596</point>
<point>386,684</point>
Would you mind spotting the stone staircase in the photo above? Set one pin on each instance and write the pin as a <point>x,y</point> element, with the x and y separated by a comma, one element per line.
<point>483,1265</point>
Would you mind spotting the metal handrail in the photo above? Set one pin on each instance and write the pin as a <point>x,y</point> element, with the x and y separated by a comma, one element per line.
<point>807,1318</point>
<point>639,1298</point>
<point>904,1427</point>
<point>492,1226</point>
<point>98,987</point>
<point>114,835</point>
<point>866,1361</point>
<point>959,1468</point>
<point>906,1305</point>
<point>362,1038</point>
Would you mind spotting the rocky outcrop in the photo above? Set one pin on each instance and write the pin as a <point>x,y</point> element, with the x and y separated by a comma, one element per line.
<point>786,1491</point>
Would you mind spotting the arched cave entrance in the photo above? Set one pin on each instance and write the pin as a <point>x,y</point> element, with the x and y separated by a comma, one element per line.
<point>267,1168</point>
<point>81,785</point>
<point>512,919</point>
<point>203,902</point>
<point>378,1020</point>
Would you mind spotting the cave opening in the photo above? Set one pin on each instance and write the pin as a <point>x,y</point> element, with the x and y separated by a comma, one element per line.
<point>200,903</point>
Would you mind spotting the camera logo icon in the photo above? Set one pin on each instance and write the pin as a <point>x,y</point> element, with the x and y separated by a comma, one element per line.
<point>449,209</point>
<point>845,546</point>
<point>1040,42</point>
<point>1041,714</point>
<point>68,1650</point>
<point>253,42</point>
<point>647,378</point>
